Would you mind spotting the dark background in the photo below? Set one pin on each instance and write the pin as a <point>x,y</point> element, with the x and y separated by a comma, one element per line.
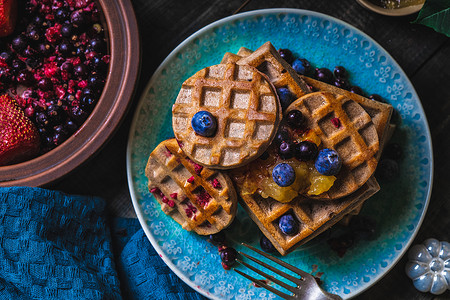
<point>423,54</point>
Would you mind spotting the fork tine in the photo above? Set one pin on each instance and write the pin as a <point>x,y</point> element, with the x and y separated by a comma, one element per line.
<point>265,285</point>
<point>279,261</point>
<point>270,277</point>
<point>279,272</point>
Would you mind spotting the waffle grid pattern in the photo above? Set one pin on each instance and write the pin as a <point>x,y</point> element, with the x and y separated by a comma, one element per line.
<point>380,113</point>
<point>170,171</point>
<point>267,60</point>
<point>246,108</point>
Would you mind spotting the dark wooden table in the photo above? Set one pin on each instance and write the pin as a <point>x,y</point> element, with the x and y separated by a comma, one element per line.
<point>422,53</point>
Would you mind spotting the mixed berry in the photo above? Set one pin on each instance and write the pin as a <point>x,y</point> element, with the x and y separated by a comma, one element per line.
<point>54,65</point>
<point>228,255</point>
<point>338,77</point>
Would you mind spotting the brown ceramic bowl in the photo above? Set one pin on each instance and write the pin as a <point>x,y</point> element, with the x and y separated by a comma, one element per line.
<point>123,37</point>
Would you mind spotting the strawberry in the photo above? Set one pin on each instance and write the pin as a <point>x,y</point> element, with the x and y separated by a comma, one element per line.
<point>8,16</point>
<point>19,138</point>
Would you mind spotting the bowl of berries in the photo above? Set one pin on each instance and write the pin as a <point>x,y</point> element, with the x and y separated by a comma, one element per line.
<point>68,70</point>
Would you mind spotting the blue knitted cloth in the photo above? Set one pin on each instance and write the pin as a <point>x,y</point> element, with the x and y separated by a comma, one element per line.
<point>59,246</point>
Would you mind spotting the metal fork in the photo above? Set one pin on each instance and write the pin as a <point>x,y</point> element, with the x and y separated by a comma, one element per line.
<point>306,286</point>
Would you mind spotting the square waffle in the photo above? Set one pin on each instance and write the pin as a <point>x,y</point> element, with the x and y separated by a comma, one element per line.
<point>198,198</point>
<point>245,105</point>
<point>313,216</point>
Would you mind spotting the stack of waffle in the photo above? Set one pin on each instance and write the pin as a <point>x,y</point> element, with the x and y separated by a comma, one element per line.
<point>241,93</point>
<point>359,141</point>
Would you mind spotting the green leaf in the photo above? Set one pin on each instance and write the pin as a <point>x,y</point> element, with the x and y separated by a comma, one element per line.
<point>435,14</point>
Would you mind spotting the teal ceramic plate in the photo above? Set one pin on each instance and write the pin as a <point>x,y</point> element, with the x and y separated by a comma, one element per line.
<point>398,208</point>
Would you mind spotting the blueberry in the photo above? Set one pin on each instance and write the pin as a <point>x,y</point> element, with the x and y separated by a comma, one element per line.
<point>204,123</point>
<point>356,89</point>
<point>283,174</point>
<point>342,83</point>
<point>98,65</point>
<point>377,97</point>
<point>306,150</point>
<point>340,72</point>
<point>228,255</point>
<point>286,150</point>
<point>71,126</point>
<point>98,45</point>
<point>286,97</point>
<point>287,55</point>
<point>288,225</point>
<point>301,66</point>
<point>282,135</point>
<point>19,43</point>
<point>324,75</point>
<point>217,238</point>
<point>295,118</point>
<point>62,14</point>
<point>7,56</point>
<point>266,244</point>
<point>80,70</point>
<point>67,30</point>
<point>95,81</point>
<point>328,162</point>
<point>87,103</point>
<point>387,169</point>
<point>65,48</point>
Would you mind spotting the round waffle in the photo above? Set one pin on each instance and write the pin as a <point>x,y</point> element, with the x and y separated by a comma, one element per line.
<point>245,105</point>
<point>198,198</point>
<point>342,125</point>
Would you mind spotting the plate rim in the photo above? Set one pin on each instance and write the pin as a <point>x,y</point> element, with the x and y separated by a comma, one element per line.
<point>260,12</point>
